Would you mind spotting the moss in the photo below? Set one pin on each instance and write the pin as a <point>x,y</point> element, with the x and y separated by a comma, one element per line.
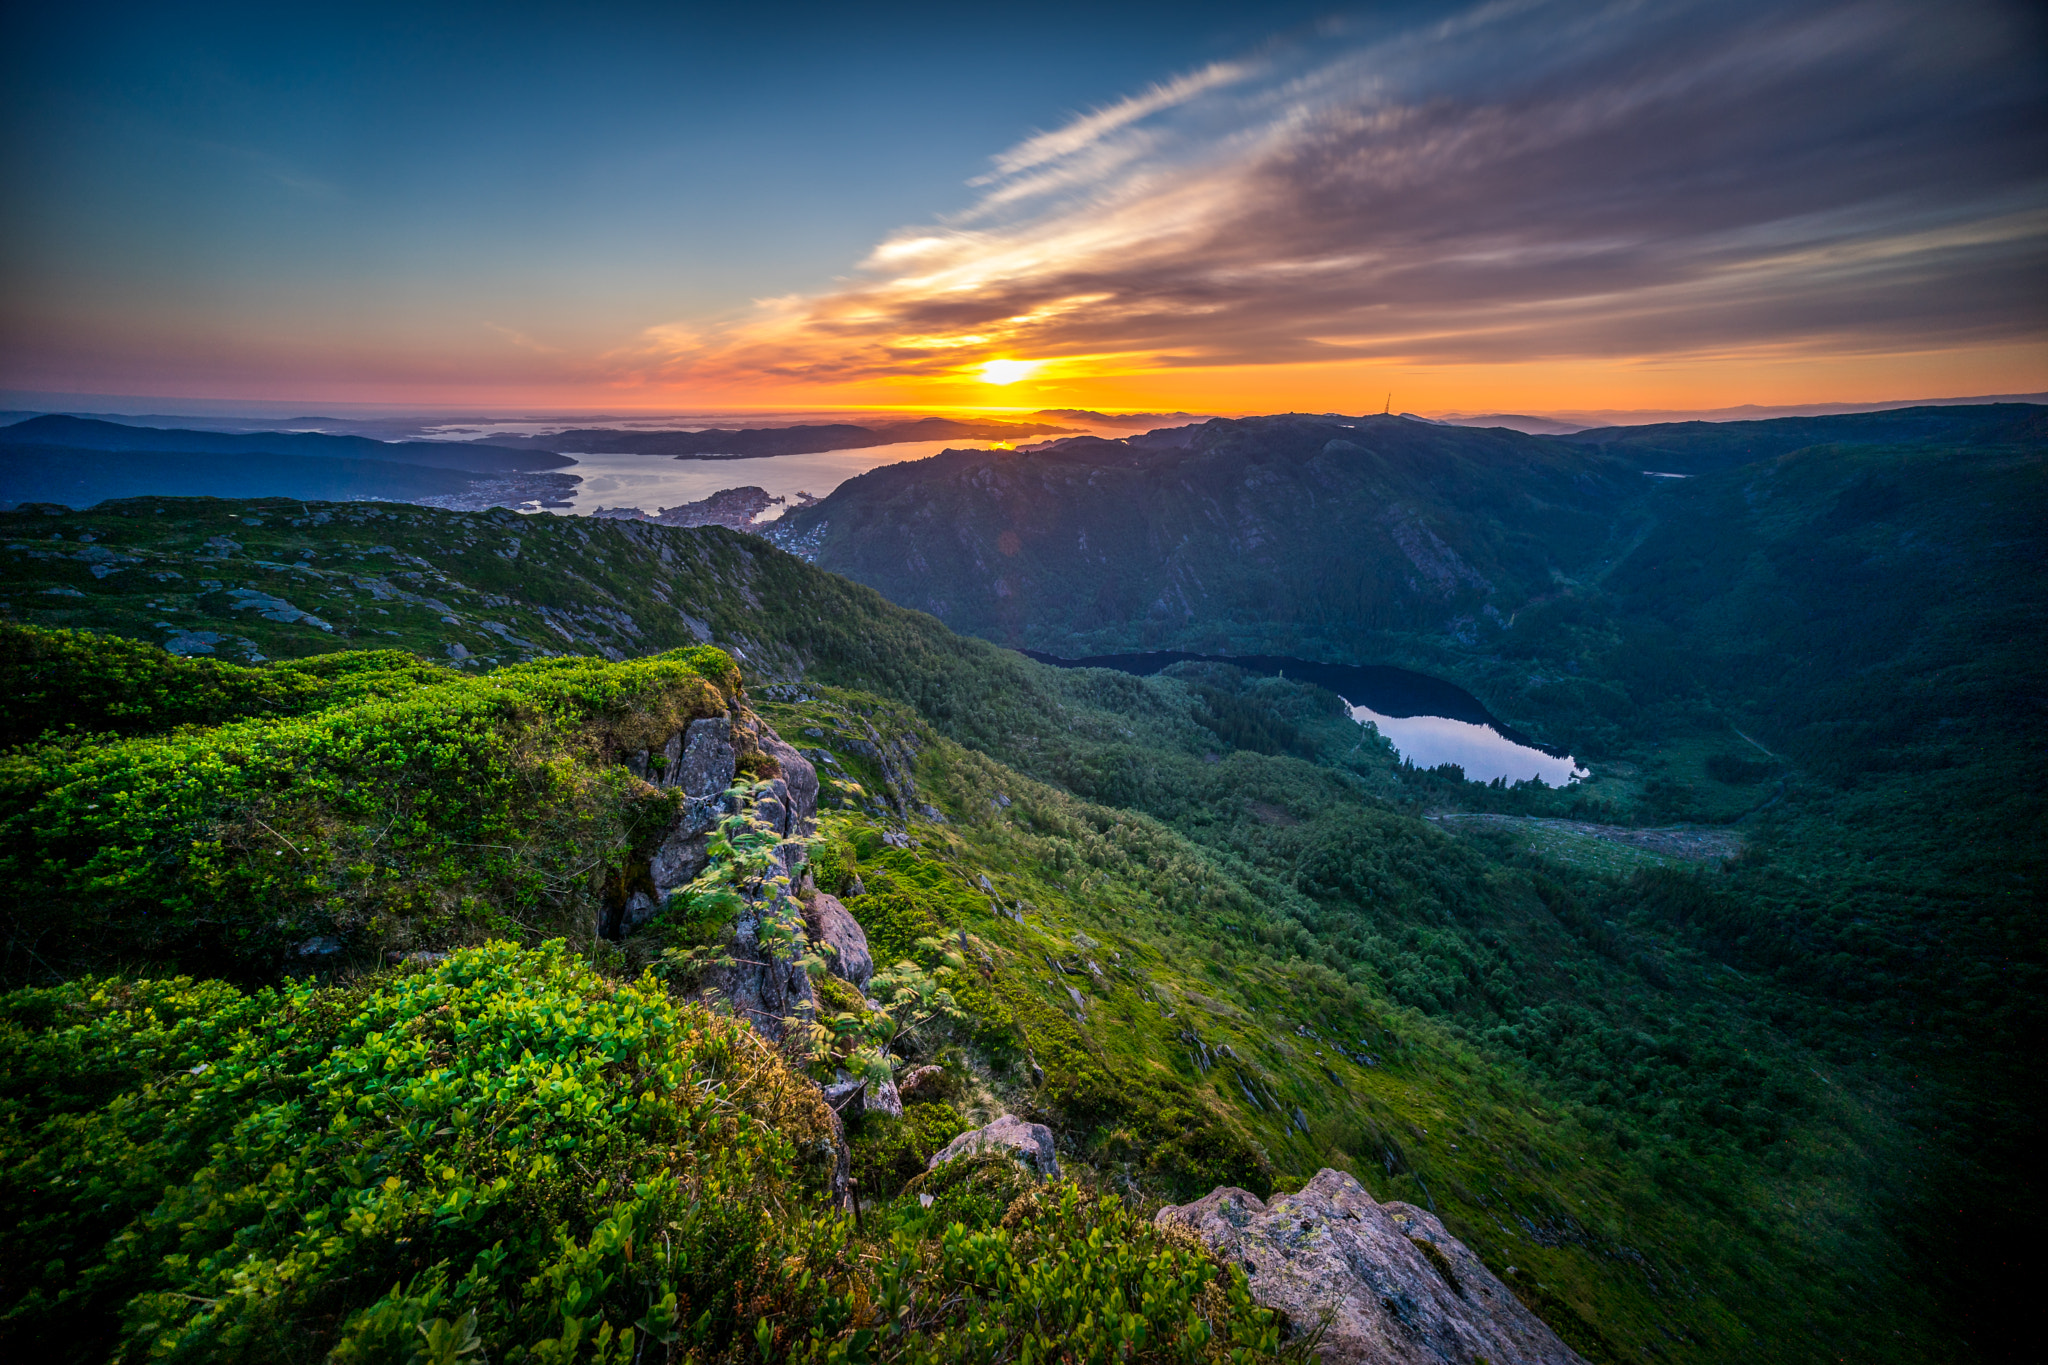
<point>832,861</point>
<point>887,1152</point>
<point>838,995</point>
<point>975,1190</point>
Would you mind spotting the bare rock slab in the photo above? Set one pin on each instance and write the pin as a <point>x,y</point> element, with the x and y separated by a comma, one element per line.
<point>1030,1143</point>
<point>834,928</point>
<point>1331,1253</point>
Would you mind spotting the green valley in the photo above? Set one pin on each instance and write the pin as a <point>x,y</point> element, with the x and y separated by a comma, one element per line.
<point>1643,1086</point>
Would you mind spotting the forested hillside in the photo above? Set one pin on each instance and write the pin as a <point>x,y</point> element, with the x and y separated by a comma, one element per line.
<point>1680,1101</point>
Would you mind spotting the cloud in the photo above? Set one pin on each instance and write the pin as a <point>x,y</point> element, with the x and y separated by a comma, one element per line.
<point>1084,132</point>
<point>1532,180</point>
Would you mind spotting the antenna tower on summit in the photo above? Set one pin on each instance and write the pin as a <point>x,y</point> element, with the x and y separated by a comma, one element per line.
<point>1389,408</point>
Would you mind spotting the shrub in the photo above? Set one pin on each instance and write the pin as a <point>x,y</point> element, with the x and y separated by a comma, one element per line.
<point>419,807</point>
<point>505,1153</point>
<point>507,1143</point>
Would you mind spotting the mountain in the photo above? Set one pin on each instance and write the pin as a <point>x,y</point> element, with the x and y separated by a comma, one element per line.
<point>1704,447</point>
<point>1201,925</point>
<point>1253,536</point>
<point>1141,421</point>
<point>88,434</point>
<point>752,442</point>
<point>80,462</point>
<point>1829,635</point>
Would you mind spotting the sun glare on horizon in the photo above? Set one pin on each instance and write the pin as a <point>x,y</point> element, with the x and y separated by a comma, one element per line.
<point>1008,371</point>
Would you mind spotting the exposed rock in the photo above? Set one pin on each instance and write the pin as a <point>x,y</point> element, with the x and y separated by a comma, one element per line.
<point>852,1098</point>
<point>760,987</point>
<point>322,946</point>
<point>773,807</point>
<point>885,1099</point>
<point>834,928</point>
<point>800,777</point>
<point>1030,1143</point>
<point>682,853</point>
<point>640,908</point>
<point>1332,1252</point>
<point>701,761</point>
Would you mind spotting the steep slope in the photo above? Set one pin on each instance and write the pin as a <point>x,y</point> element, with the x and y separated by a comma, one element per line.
<point>1710,447</point>
<point>1173,1021</point>
<point>1614,1001</point>
<point>1270,535</point>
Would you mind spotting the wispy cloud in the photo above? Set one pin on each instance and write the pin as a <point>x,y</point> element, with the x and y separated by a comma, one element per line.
<point>1091,128</point>
<point>1531,179</point>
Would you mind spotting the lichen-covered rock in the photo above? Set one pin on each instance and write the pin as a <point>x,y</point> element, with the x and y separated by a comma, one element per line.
<point>800,779</point>
<point>760,987</point>
<point>851,1098</point>
<point>1030,1143</point>
<point>685,850</point>
<point>1391,1285</point>
<point>702,760</point>
<point>639,908</point>
<point>834,928</point>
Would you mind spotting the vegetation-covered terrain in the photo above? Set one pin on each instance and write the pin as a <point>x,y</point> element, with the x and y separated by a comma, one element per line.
<point>1219,940</point>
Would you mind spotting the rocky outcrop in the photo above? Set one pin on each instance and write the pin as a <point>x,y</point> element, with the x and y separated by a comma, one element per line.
<point>701,759</point>
<point>1384,1282</point>
<point>1030,1143</point>
<point>851,1098</point>
<point>796,773</point>
<point>834,929</point>
<point>760,987</point>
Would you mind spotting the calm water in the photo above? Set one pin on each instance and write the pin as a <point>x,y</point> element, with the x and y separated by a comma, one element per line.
<point>1430,722</point>
<point>652,482</point>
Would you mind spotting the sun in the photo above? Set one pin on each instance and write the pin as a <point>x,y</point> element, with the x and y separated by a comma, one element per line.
<point>1008,371</point>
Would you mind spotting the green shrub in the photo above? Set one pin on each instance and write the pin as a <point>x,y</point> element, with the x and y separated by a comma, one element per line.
<point>508,1154</point>
<point>889,1151</point>
<point>507,1141</point>
<point>420,807</point>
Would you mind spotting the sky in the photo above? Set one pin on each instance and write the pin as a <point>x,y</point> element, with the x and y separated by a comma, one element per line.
<point>1520,205</point>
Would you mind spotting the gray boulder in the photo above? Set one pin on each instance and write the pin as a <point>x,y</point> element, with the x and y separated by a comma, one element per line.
<point>760,987</point>
<point>833,927</point>
<point>1030,1143</point>
<point>1331,1253</point>
<point>701,760</point>
<point>926,1081</point>
<point>849,1098</point>
<point>800,780</point>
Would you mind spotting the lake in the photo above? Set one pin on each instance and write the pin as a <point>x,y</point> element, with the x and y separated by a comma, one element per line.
<point>1430,722</point>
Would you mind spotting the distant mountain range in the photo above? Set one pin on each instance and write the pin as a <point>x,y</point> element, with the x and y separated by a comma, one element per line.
<point>753,442</point>
<point>81,461</point>
<point>83,433</point>
<point>1340,538</point>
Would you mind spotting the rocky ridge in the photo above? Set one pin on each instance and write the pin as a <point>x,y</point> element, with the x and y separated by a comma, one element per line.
<point>1372,1283</point>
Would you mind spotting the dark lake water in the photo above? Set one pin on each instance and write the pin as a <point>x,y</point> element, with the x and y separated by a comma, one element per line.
<point>1429,721</point>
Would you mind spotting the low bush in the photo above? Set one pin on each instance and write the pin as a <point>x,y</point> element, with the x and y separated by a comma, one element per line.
<point>418,807</point>
<point>505,1154</point>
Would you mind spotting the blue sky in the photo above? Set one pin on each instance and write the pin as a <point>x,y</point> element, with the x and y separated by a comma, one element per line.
<point>593,203</point>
